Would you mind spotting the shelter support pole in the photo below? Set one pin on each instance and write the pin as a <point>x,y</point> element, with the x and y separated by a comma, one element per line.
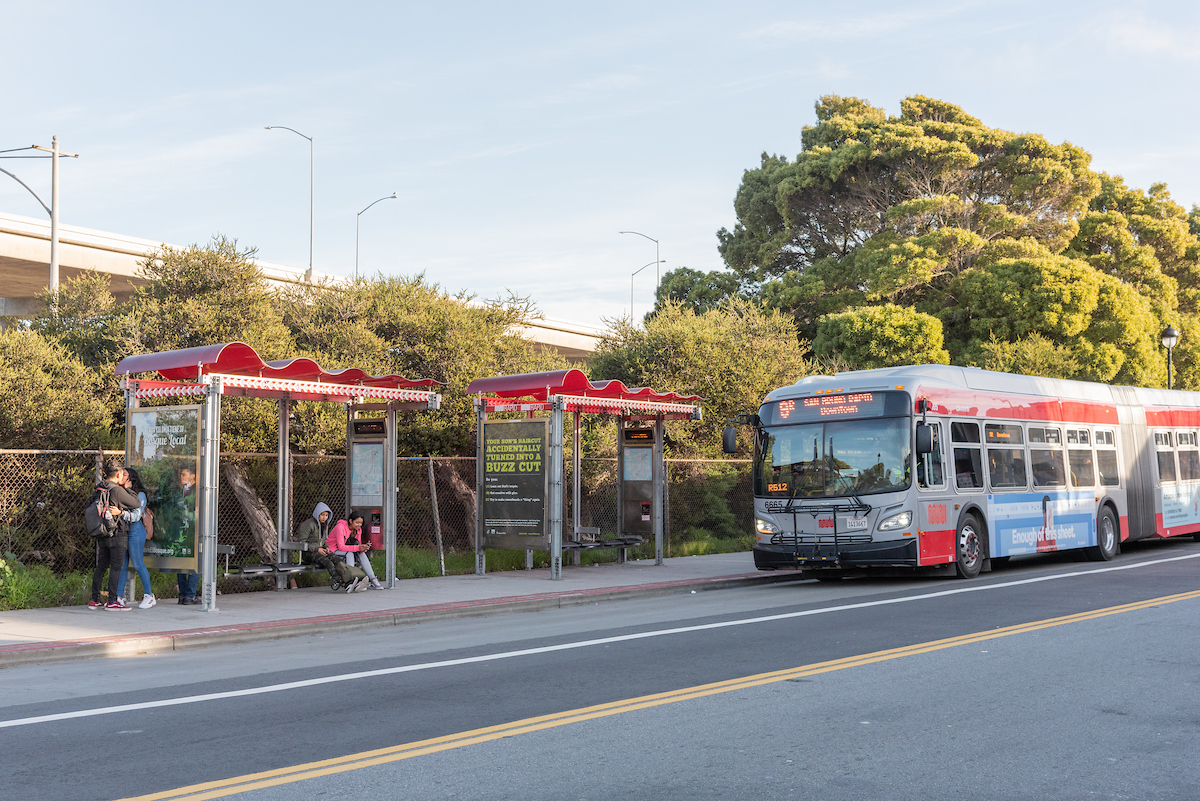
<point>556,487</point>
<point>659,426</point>
<point>350,415</point>
<point>283,489</point>
<point>437,517</point>
<point>480,554</point>
<point>391,494</point>
<point>575,485</point>
<point>131,403</point>
<point>210,476</point>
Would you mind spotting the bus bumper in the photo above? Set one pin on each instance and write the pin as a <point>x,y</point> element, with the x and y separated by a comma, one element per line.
<point>894,553</point>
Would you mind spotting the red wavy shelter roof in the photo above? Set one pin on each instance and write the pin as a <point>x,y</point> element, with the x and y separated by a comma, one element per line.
<point>238,358</point>
<point>568,382</point>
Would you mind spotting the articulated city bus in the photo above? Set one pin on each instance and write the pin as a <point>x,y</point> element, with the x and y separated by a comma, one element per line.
<point>958,468</point>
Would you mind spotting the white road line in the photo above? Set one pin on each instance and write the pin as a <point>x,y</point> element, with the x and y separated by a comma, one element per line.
<point>366,674</point>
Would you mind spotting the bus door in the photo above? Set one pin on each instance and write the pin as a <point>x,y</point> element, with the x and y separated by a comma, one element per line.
<point>935,527</point>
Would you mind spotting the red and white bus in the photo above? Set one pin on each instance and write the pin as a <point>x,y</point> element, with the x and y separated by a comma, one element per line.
<point>957,468</point>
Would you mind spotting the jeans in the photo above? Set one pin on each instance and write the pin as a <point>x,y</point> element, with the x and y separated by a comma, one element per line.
<point>137,547</point>
<point>110,556</point>
<point>189,584</point>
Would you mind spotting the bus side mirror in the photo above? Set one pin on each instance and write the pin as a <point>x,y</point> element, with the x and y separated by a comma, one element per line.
<point>924,439</point>
<point>729,439</point>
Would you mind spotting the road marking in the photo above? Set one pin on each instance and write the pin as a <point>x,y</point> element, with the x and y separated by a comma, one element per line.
<point>382,756</point>
<point>546,649</point>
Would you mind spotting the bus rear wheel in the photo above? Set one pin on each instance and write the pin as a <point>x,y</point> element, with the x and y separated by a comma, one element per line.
<point>1106,537</point>
<point>969,547</point>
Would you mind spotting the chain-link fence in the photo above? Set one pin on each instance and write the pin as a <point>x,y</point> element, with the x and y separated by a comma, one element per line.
<point>43,493</point>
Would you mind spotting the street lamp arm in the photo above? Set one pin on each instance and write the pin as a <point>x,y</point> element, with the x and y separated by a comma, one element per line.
<point>392,196</point>
<point>643,236</point>
<point>651,264</point>
<point>35,194</point>
<point>293,130</point>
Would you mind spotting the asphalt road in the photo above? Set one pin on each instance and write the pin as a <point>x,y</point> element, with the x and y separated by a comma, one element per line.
<point>881,688</point>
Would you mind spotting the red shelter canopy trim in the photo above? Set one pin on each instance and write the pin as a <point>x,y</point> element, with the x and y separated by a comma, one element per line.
<point>568,382</point>
<point>238,358</point>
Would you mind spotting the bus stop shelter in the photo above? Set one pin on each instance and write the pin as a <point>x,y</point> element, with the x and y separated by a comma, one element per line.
<point>507,483</point>
<point>176,434</point>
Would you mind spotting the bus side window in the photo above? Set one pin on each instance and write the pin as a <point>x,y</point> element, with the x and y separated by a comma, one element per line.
<point>1166,456</point>
<point>1189,457</point>
<point>968,464</point>
<point>1083,473</point>
<point>1106,459</point>
<point>929,465</point>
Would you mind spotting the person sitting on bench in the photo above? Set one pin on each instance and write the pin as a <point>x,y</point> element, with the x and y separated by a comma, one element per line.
<point>313,533</point>
<point>344,541</point>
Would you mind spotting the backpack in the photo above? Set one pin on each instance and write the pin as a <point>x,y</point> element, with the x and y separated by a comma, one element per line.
<point>94,520</point>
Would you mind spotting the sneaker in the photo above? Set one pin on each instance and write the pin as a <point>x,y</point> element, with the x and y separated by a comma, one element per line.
<point>363,585</point>
<point>375,585</point>
<point>148,601</point>
<point>95,604</point>
<point>193,600</point>
<point>117,606</point>
<point>352,586</point>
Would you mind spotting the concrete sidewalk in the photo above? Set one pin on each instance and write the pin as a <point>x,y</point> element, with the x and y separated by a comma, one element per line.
<point>30,636</point>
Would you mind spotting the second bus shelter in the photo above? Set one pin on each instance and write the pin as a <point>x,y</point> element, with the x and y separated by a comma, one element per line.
<point>520,464</point>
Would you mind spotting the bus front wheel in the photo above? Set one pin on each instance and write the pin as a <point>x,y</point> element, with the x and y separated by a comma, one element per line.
<point>969,547</point>
<point>1106,537</point>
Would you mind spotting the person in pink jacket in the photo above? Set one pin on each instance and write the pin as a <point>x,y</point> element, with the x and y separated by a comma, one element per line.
<point>345,541</point>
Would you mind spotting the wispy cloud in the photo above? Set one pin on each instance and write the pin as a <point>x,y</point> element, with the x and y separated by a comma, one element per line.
<point>1138,34</point>
<point>838,30</point>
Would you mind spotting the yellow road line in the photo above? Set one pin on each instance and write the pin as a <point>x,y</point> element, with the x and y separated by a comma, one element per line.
<point>381,756</point>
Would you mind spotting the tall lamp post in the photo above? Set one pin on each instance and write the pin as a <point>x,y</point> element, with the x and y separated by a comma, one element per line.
<point>631,275</point>
<point>311,196</point>
<point>356,221</point>
<point>656,256</point>
<point>1170,338</point>
<point>52,209</point>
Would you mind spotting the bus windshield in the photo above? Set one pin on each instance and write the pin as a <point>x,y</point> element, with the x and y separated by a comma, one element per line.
<point>834,459</point>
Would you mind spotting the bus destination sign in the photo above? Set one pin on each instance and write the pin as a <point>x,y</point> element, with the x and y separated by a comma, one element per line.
<point>825,407</point>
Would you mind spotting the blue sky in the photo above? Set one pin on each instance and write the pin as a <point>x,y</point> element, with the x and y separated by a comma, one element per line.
<point>522,137</point>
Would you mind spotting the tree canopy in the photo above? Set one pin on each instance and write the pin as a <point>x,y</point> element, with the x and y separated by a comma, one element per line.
<point>216,293</point>
<point>1001,248</point>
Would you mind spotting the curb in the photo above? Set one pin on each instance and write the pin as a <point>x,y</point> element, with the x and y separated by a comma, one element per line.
<point>159,642</point>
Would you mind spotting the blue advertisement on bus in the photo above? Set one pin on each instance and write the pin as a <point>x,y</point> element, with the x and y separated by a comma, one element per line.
<point>1038,522</point>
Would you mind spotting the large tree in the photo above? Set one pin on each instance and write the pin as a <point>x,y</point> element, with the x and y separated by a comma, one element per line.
<point>1009,239</point>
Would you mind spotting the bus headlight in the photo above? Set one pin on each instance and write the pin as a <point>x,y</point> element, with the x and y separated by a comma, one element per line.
<point>902,520</point>
<point>765,527</point>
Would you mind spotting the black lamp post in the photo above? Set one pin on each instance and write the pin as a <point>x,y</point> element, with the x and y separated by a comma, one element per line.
<point>1170,337</point>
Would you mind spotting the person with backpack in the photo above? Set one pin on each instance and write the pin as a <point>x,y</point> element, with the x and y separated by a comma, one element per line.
<point>112,534</point>
<point>139,532</point>
<point>344,542</point>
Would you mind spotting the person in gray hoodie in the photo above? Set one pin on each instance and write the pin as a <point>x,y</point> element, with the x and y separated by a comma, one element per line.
<point>313,532</point>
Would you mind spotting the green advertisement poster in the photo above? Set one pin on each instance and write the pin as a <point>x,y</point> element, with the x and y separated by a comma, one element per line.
<point>163,443</point>
<point>515,484</point>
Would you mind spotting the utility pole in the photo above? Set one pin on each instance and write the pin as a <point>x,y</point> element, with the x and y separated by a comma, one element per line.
<point>54,154</point>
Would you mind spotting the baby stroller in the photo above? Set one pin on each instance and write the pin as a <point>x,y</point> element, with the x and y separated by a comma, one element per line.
<point>340,573</point>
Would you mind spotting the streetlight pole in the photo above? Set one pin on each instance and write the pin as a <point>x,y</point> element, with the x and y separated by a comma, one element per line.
<point>52,210</point>
<point>356,221</point>
<point>311,196</point>
<point>631,275</point>
<point>658,260</point>
<point>1170,338</point>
